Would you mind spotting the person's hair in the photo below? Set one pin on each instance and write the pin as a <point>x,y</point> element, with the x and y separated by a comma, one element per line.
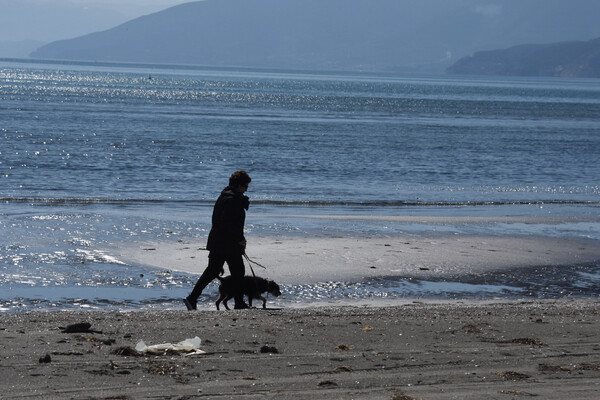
<point>239,178</point>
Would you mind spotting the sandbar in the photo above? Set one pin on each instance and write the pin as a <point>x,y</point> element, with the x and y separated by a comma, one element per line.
<point>305,260</point>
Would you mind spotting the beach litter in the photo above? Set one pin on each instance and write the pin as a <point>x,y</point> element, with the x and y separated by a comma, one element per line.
<point>187,347</point>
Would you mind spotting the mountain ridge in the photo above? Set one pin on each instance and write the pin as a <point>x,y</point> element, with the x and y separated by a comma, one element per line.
<point>576,59</point>
<point>351,35</point>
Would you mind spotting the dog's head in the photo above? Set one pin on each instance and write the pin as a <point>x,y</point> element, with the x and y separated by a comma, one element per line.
<point>273,288</point>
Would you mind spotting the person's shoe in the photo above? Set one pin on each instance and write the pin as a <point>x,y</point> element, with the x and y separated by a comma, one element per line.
<point>190,304</point>
<point>241,306</point>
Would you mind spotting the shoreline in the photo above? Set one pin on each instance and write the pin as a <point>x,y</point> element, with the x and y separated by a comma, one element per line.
<point>326,270</point>
<point>462,350</point>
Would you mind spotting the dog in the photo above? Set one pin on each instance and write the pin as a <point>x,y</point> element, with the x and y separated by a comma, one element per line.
<point>252,287</point>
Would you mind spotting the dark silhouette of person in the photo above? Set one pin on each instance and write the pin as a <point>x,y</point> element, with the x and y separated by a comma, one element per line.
<point>226,241</point>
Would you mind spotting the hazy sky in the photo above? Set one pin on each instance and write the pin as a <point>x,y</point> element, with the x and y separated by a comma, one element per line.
<point>49,20</point>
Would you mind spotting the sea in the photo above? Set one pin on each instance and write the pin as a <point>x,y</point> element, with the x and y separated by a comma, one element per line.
<point>95,156</point>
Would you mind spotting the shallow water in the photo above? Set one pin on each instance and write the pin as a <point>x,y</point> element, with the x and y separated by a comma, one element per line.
<point>161,289</point>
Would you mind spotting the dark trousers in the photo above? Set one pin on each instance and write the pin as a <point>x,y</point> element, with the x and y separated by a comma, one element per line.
<point>216,261</point>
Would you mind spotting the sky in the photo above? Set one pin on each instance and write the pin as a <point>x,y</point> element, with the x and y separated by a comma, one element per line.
<point>50,20</point>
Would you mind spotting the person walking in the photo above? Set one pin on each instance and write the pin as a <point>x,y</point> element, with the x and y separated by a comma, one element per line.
<point>226,241</point>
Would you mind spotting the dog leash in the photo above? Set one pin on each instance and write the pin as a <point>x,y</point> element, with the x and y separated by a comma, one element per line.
<point>251,269</point>
<point>253,262</point>
<point>250,265</point>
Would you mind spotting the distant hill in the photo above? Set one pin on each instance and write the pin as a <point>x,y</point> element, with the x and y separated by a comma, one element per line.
<point>568,59</point>
<point>353,35</point>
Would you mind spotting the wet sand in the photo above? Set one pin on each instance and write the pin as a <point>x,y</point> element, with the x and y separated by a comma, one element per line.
<point>546,350</point>
<point>305,260</point>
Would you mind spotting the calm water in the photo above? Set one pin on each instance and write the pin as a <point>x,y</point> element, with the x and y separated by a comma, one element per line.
<point>92,155</point>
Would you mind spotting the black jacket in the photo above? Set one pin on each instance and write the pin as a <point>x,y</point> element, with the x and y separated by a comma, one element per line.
<point>229,216</point>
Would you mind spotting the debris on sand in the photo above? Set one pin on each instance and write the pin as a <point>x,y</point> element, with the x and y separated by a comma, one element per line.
<point>343,347</point>
<point>269,349</point>
<point>46,359</point>
<point>188,346</point>
<point>81,327</point>
<point>126,351</point>
<point>512,375</point>
<point>327,384</point>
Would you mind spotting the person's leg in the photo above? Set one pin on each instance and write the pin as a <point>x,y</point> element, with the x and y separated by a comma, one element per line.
<point>237,271</point>
<point>214,268</point>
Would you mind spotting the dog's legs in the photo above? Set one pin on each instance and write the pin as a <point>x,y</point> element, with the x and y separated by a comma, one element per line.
<point>264,301</point>
<point>226,300</point>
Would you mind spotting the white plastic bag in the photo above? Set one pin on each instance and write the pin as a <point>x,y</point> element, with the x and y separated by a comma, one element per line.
<point>186,346</point>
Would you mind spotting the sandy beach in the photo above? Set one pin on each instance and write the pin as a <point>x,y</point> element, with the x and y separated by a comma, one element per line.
<point>547,350</point>
<point>400,350</point>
